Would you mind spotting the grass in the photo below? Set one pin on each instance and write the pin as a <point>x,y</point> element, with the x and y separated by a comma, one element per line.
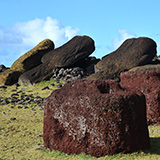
<point>21,132</point>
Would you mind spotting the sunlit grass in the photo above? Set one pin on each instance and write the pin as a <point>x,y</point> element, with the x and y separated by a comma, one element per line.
<point>21,139</point>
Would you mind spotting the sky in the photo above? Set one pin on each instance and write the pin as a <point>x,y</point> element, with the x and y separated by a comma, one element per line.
<point>25,23</point>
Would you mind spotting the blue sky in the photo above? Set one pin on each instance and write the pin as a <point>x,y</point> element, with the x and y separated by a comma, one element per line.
<point>24,23</point>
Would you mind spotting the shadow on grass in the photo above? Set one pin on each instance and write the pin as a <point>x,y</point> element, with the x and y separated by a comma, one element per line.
<point>154,146</point>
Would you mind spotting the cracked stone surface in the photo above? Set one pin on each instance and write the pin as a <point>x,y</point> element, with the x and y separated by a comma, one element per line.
<point>95,117</point>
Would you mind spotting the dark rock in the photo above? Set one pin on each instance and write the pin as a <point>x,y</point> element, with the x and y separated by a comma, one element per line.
<point>19,92</point>
<point>96,118</point>
<point>38,149</point>
<point>13,118</point>
<point>59,85</point>
<point>110,73</point>
<point>13,90</point>
<point>5,101</point>
<point>26,107</point>
<point>12,107</point>
<point>69,54</point>
<point>147,82</point>
<point>3,87</point>
<point>14,94</point>
<point>133,52</point>
<point>16,84</point>
<point>45,88</point>
<point>19,107</point>
<point>14,99</point>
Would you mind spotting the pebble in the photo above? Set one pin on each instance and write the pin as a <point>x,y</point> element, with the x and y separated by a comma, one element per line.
<point>3,87</point>
<point>38,149</point>
<point>26,107</point>
<point>45,88</point>
<point>12,106</point>
<point>20,107</point>
<point>13,90</point>
<point>13,118</point>
<point>59,85</point>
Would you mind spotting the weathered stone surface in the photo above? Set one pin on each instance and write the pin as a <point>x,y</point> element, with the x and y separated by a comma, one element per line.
<point>71,52</point>
<point>32,58</point>
<point>133,52</point>
<point>9,77</point>
<point>111,72</point>
<point>148,67</point>
<point>96,118</point>
<point>147,82</point>
<point>27,61</point>
<point>68,55</point>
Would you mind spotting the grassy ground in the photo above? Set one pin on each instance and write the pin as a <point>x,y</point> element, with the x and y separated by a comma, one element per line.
<point>21,132</point>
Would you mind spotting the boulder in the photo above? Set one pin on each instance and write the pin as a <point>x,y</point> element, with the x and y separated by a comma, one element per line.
<point>147,82</point>
<point>133,52</point>
<point>66,56</point>
<point>32,58</point>
<point>26,62</point>
<point>96,118</point>
<point>78,48</point>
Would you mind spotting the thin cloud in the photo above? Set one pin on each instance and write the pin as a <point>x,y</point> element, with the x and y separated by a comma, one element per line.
<point>21,37</point>
<point>123,34</point>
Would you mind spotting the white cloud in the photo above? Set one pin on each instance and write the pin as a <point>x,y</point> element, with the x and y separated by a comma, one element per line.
<point>122,36</point>
<point>21,37</point>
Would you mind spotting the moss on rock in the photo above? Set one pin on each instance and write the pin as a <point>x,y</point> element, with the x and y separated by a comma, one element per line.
<point>26,62</point>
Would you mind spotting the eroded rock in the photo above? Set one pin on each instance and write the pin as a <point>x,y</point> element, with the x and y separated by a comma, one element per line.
<point>66,56</point>
<point>96,118</point>
<point>147,82</point>
<point>133,52</point>
<point>26,62</point>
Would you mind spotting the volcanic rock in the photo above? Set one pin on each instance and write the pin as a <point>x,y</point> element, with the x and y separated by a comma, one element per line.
<point>32,58</point>
<point>70,53</point>
<point>147,82</point>
<point>148,67</point>
<point>96,118</point>
<point>133,52</point>
<point>78,48</point>
<point>26,62</point>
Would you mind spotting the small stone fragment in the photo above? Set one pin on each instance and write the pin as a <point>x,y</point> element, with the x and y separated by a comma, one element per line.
<point>13,118</point>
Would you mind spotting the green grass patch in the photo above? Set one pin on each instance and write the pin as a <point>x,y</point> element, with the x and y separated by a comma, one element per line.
<point>21,132</point>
